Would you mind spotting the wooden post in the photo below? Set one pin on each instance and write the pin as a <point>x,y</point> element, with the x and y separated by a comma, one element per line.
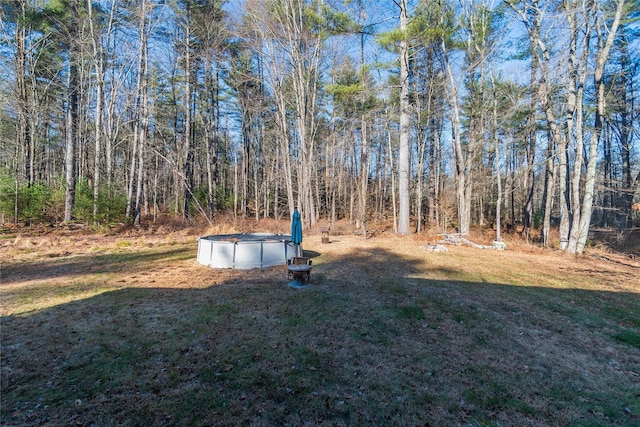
<point>325,234</point>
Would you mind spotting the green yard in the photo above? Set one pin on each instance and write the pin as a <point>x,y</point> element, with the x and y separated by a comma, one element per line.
<point>132,331</point>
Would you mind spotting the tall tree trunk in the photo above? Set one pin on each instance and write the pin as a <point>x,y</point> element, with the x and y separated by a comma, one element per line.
<point>604,48</point>
<point>111,129</point>
<point>23,128</point>
<point>496,142</point>
<point>246,126</point>
<point>607,191</point>
<point>420,181</point>
<point>403,159</point>
<point>527,209</point>
<point>421,137</point>
<point>530,17</point>
<point>16,183</point>
<point>132,170</point>
<point>563,164</point>
<point>142,129</point>
<point>576,176</point>
<point>211,128</point>
<point>392,174</point>
<point>99,67</point>
<point>188,148</point>
<point>461,162</point>
<point>435,170</point>
<point>72,114</point>
<point>549,188</point>
<point>136,151</point>
<point>364,156</point>
<point>626,131</point>
<point>364,176</point>
<point>554,139</point>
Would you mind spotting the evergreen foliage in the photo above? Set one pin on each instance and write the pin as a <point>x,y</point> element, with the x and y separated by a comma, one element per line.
<point>263,104</point>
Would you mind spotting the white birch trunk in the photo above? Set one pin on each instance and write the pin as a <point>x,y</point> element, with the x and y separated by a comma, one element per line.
<point>403,160</point>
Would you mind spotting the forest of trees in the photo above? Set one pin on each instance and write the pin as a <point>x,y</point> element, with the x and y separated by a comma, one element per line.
<point>433,114</point>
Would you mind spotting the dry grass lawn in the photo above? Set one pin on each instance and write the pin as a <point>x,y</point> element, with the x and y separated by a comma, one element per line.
<point>128,329</point>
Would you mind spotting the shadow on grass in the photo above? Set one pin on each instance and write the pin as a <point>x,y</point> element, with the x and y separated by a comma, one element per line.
<point>362,345</point>
<point>89,264</point>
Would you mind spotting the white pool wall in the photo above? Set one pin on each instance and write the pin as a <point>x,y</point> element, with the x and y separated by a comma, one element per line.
<point>245,251</point>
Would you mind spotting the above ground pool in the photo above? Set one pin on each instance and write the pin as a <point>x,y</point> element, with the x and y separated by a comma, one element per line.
<point>247,250</point>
